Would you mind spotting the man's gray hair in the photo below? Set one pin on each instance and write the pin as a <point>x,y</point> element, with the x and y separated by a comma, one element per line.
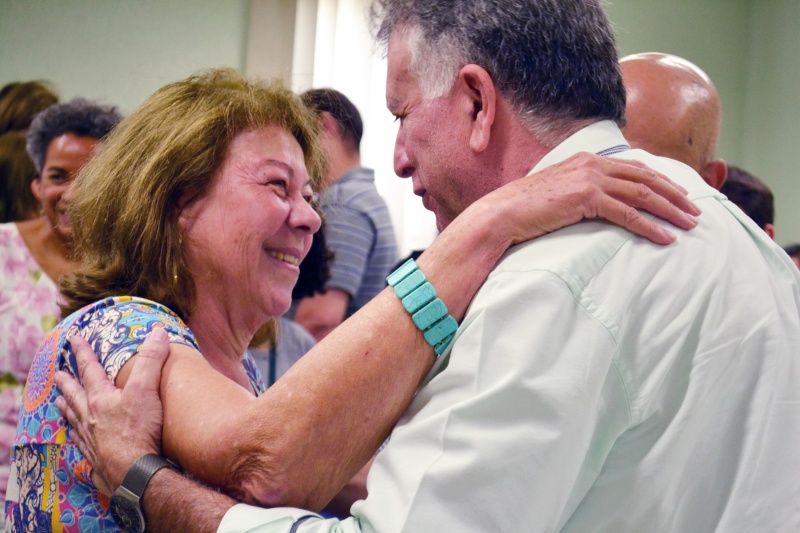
<point>554,60</point>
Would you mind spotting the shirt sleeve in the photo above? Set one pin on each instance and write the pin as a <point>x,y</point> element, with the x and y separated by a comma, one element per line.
<point>248,519</point>
<point>511,435</point>
<point>351,236</point>
<point>117,327</point>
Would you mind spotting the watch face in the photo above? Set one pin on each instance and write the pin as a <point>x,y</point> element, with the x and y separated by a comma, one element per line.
<point>127,513</point>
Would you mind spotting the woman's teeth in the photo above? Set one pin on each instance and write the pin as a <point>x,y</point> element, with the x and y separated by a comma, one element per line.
<point>292,260</point>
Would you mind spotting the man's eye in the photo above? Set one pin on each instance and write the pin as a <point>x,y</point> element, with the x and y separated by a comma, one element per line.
<point>399,118</point>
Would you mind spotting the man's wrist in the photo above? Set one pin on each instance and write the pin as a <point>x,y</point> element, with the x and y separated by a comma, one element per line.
<point>126,502</point>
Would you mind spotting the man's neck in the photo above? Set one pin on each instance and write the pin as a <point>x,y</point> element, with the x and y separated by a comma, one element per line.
<point>527,149</point>
<point>339,164</point>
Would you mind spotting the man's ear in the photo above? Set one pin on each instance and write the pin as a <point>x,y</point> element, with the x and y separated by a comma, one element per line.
<point>329,124</point>
<point>479,97</point>
<point>36,188</point>
<point>769,229</point>
<point>715,173</point>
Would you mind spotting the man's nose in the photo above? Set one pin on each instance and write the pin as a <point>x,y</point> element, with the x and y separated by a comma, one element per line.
<point>402,163</point>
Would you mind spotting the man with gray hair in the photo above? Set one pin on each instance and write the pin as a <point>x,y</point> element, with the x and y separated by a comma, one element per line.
<point>597,382</point>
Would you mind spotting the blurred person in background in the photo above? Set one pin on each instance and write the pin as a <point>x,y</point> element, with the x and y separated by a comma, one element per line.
<point>35,253</point>
<point>752,196</point>
<point>673,110</point>
<point>794,252</point>
<point>20,101</point>
<point>359,230</point>
<point>17,202</point>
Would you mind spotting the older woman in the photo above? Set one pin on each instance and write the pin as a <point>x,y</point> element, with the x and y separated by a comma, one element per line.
<point>35,253</point>
<point>193,219</point>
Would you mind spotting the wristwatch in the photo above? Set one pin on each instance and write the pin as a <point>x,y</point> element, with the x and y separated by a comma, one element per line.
<point>126,500</point>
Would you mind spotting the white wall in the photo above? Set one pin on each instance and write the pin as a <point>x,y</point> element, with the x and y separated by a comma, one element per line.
<point>123,50</point>
<point>119,51</point>
<point>750,49</point>
<point>771,117</point>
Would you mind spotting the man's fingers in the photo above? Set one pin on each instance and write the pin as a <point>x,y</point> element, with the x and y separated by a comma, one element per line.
<point>66,410</point>
<point>91,372</point>
<point>73,397</point>
<point>146,374</point>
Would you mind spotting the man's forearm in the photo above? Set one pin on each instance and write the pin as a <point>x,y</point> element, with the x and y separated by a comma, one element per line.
<point>173,502</point>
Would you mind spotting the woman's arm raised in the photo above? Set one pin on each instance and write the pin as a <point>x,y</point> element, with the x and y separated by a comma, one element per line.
<point>301,441</point>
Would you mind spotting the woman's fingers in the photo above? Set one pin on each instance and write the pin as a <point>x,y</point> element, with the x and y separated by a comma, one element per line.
<point>658,183</point>
<point>642,196</point>
<point>631,219</point>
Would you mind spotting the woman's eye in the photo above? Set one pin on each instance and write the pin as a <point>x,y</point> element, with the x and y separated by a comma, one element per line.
<point>280,183</point>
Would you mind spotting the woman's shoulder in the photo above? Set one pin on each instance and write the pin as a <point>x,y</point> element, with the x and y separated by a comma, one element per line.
<point>127,309</point>
<point>115,327</point>
<point>127,317</point>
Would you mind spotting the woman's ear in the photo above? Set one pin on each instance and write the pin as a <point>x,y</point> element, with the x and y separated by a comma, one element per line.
<point>36,188</point>
<point>478,92</point>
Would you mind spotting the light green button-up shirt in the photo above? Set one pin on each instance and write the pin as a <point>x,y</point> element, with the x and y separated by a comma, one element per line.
<point>602,383</point>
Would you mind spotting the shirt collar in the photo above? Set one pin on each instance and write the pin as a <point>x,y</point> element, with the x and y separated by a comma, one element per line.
<point>595,138</point>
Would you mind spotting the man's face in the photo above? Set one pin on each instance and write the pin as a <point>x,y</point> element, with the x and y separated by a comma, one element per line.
<point>431,141</point>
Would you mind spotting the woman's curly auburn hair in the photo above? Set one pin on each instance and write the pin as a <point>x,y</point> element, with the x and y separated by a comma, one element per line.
<point>128,198</point>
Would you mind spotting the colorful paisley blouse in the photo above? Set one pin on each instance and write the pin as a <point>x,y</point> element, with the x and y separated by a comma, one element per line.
<point>50,487</point>
<point>28,311</point>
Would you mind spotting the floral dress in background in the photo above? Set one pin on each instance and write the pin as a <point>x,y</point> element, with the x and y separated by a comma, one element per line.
<point>50,488</point>
<point>28,311</point>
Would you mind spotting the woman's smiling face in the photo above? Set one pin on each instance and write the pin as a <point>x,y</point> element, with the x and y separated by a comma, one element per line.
<point>65,156</point>
<point>248,234</point>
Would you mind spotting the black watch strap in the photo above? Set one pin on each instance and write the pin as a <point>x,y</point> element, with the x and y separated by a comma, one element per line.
<point>142,470</point>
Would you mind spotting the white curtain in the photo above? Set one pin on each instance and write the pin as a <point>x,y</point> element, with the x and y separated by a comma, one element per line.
<point>333,48</point>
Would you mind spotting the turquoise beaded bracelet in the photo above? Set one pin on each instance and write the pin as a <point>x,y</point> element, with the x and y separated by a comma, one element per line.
<point>429,313</point>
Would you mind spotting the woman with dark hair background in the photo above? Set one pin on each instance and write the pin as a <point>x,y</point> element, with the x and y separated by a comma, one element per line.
<point>35,253</point>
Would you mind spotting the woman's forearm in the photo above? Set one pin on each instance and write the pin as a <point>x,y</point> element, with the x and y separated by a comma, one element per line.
<point>322,421</point>
<point>301,441</point>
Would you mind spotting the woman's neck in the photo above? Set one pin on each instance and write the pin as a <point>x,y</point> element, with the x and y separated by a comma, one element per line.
<point>222,342</point>
<point>50,253</point>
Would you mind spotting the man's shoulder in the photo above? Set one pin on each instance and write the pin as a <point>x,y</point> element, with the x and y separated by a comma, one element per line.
<point>574,253</point>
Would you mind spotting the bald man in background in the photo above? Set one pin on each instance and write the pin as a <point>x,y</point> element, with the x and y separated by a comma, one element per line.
<point>673,110</point>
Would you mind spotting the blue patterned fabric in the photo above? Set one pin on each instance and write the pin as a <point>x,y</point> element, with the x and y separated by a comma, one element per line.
<point>50,487</point>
